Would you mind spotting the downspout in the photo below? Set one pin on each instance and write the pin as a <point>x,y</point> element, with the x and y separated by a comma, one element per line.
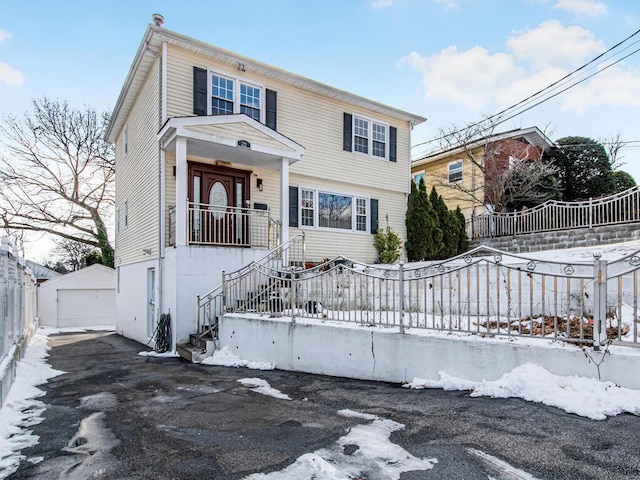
<point>162,112</point>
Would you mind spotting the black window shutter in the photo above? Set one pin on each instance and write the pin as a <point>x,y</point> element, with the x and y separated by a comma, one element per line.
<point>199,91</point>
<point>293,206</point>
<point>346,132</point>
<point>271,109</point>
<point>374,215</point>
<point>393,144</point>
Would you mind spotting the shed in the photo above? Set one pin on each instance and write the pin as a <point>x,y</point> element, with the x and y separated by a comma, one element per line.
<point>83,298</point>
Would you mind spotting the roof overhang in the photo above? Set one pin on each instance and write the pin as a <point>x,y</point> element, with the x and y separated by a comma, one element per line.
<point>230,138</point>
<point>151,46</point>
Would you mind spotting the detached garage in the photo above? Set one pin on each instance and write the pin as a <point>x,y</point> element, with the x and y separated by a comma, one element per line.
<point>84,298</point>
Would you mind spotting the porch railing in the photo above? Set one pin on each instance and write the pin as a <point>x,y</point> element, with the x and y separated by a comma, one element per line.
<point>485,292</point>
<point>553,215</point>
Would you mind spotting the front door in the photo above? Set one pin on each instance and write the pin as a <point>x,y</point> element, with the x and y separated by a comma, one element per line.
<point>220,213</point>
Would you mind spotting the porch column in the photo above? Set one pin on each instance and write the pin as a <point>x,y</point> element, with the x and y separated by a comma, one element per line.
<point>284,200</point>
<point>181,191</point>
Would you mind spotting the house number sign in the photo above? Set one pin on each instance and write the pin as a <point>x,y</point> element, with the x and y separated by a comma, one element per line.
<point>244,143</point>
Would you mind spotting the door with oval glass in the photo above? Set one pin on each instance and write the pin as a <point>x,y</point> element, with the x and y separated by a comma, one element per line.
<point>219,208</point>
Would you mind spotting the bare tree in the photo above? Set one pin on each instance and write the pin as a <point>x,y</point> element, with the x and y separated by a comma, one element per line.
<point>505,171</point>
<point>72,253</point>
<point>613,145</point>
<point>57,174</point>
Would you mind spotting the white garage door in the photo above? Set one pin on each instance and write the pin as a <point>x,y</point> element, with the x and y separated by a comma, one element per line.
<point>85,308</point>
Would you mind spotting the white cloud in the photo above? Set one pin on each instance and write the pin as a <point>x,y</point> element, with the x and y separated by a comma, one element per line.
<point>469,78</point>
<point>534,59</point>
<point>590,8</point>
<point>551,43</point>
<point>10,76</point>
<point>616,86</point>
<point>4,35</point>
<point>382,3</point>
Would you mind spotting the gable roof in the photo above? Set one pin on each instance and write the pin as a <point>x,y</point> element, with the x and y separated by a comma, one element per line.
<point>81,273</point>
<point>533,135</point>
<point>151,47</point>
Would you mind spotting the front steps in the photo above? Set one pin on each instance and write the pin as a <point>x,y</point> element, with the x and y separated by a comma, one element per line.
<point>194,353</point>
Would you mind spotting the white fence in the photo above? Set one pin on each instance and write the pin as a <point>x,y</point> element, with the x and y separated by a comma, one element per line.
<point>553,215</point>
<point>485,292</point>
<point>18,304</point>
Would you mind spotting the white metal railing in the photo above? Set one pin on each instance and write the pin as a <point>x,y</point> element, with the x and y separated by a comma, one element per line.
<point>227,226</point>
<point>554,215</point>
<point>17,312</point>
<point>483,292</point>
<point>289,256</point>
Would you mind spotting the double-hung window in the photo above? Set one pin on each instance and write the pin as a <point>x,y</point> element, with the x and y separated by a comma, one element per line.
<point>370,137</point>
<point>231,95</point>
<point>455,171</point>
<point>333,211</point>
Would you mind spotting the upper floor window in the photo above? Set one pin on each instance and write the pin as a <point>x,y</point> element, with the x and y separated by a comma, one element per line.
<point>125,140</point>
<point>455,171</point>
<point>232,95</point>
<point>370,137</point>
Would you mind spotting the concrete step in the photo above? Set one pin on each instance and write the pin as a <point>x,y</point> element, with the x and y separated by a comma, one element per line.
<point>194,354</point>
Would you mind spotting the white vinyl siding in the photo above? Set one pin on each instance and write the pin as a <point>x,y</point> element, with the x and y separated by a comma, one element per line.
<point>301,115</point>
<point>137,184</point>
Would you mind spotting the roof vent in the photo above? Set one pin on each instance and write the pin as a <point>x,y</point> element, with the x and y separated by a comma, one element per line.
<point>157,19</point>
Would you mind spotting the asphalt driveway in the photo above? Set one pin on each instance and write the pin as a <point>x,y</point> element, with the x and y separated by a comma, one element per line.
<point>118,415</point>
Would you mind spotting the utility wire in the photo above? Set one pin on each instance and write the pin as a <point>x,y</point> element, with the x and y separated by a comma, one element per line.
<point>548,87</point>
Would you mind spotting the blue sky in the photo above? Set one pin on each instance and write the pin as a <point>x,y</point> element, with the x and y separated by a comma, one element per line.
<point>452,61</point>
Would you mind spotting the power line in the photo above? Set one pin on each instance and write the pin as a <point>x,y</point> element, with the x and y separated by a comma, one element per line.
<point>539,93</point>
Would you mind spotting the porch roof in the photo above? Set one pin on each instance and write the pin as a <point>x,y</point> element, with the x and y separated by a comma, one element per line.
<point>234,138</point>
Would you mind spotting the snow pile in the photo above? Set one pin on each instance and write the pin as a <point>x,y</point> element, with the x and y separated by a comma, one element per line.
<point>262,386</point>
<point>21,410</point>
<point>226,358</point>
<point>365,452</point>
<point>153,353</point>
<point>583,396</point>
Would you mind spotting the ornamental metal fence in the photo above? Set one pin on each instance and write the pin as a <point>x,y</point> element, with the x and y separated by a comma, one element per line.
<point>18,307</point>
<point>554,215</point>
<point>485,292</point>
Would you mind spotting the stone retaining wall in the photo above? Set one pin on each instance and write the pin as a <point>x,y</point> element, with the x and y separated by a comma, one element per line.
<point>579,237</point>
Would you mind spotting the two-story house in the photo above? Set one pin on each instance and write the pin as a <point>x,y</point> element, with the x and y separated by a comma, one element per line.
<point>463,174</point>
<point>220,158</point>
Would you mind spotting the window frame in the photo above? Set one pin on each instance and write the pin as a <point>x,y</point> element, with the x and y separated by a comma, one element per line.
<point>371,122</point>
<point>449,173</point>
<point>125,140</point>
<point>125,215</point>
<point>316,210</point>
<point>238,82</point>
<point>418,176</point>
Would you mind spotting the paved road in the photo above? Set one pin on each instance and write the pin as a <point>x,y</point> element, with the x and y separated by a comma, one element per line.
<point>118,415</point>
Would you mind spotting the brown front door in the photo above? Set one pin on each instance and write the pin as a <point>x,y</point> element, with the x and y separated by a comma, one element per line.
<point>220,198</point>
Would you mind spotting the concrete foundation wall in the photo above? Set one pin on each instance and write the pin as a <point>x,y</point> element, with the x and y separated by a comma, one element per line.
<point>385,355</point>
<point>579,237</point>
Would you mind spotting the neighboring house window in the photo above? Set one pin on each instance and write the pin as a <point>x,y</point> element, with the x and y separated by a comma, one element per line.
<point>232,95</point>
<point>455,172</point>
<point>125,215</point>
<point>370,137</point>
<point>333,211</point>
<point>307,208</point>
<point>125,140</point>
<point>419,176</point>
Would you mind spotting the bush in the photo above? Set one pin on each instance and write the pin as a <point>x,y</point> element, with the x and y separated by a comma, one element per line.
<point>388,244</point>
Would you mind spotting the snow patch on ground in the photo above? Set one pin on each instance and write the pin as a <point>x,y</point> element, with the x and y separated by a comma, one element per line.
<point>364,452</point>
<point>582,396</point>
<point>262,386</point>
<point>500,468</point>
<point>226,358</point>
<point>57,330</point>
<point>153,353</point>
<point>21,410</point>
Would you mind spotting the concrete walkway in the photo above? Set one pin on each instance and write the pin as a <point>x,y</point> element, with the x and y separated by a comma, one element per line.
<point>118,415</point>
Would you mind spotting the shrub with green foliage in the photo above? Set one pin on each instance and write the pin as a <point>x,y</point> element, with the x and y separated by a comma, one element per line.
<point>424,238</point>
<point>387,243</point>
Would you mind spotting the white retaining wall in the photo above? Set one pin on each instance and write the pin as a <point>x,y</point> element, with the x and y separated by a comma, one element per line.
<point>383,354</point>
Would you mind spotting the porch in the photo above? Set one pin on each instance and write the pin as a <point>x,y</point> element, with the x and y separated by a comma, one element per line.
<point>229,186</point>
